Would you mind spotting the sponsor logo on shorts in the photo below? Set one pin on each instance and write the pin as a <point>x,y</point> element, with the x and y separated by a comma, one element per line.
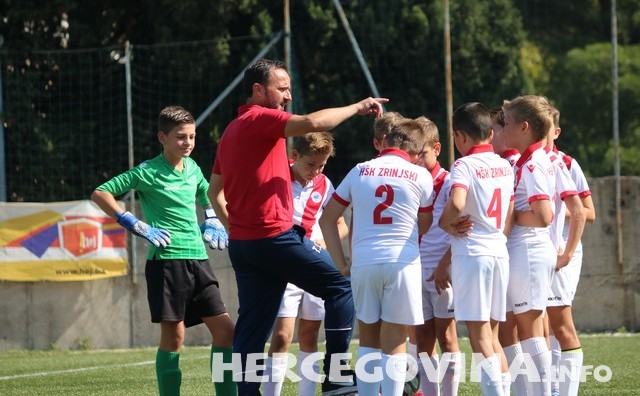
<point>522,304</point>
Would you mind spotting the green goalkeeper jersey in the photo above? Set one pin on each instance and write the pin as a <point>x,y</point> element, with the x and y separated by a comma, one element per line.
<point>167,197</point>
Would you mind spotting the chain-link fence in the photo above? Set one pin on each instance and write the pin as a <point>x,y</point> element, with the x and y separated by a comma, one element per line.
<point>66,114</point>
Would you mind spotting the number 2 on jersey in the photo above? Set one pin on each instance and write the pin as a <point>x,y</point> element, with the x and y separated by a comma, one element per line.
<point>387,191</point>
<point>495,207</point>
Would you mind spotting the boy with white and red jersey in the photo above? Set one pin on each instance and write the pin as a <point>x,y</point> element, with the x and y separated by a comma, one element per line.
<point>481,188</point>
<point>532,255</point>
<point>392,200</point>
<point>566,349</point>
<point>311,191</point>
<point>499,145</point>
<point>437,305</point>
<point>582,186</point>
<point>507,333</point>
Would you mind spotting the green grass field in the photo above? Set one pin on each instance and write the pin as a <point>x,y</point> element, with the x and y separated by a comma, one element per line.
<point>132,371</point>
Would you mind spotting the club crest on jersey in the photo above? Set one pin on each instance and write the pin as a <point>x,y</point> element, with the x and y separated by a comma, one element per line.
<point>455,164</point>
<point>316,197</point>
<point>531,167</point>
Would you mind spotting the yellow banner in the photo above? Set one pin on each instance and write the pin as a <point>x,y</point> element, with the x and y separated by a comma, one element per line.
<point>61,241</point>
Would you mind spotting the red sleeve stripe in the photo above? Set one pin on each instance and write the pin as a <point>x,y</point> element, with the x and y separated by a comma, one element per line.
<point>584,194</point>
<point>340,200</point>
<point>567,194</point>
<point>466,188</point>
<point>426,209</point>
<point>538,197</point>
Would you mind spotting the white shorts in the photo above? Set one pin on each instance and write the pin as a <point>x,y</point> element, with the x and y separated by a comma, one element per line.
<point>435,305</point>
<point>565,282</point>
<point>531,268</point>
<point>391,292</point>
<point>481,287</point>
<point>297,300</point>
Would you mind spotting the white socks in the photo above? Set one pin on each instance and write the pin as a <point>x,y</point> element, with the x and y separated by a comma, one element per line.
<point>570,369</point>
<point>366,387</point>
<point>519,383</point>
<point>394,372</point>
<point>429,384</point>
<point>275,369</point>
<point>452,366</point>
<point>555,359</point>
<point>537,349</point>
<point>306,387</point>
<point>491,376</point>
<point>506,383</point>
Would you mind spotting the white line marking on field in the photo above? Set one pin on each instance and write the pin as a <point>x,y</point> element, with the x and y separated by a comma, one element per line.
<point>78,370</point>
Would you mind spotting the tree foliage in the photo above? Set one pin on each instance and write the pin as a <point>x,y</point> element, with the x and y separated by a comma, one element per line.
<point>582,88</point>
<point>499,50</point>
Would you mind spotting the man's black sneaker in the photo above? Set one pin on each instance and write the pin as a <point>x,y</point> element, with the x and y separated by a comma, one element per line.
<point>340,388</point>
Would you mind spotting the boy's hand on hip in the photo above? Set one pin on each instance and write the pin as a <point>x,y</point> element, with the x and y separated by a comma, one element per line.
<point>157,236</point>
<point>213,232</point>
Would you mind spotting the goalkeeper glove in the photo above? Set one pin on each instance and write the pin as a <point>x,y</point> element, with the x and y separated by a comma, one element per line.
<point>213,231</point>
<point>157,236</point>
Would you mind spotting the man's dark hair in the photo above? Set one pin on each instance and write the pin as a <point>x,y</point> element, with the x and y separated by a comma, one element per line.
<point>259,73</point>
<point>474,120</point>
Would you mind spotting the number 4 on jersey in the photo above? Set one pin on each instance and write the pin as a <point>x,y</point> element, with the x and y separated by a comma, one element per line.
<point>495,207</point>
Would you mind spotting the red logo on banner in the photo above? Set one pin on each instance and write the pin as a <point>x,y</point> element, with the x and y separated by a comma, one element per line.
<point>80,237</point>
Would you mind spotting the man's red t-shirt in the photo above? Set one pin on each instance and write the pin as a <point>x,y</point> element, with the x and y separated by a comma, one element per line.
<point>252,160</point>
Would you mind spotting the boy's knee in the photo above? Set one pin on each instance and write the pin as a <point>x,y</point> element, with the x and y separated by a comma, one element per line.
<point>279,342</point>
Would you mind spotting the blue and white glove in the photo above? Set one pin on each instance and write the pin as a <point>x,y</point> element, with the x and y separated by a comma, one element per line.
<point>157,236</point>
<point>213,231</point>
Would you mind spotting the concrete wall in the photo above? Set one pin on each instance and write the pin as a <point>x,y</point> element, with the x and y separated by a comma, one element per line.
<point>113,313</point>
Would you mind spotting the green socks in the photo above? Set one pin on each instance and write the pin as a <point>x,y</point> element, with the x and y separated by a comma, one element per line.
<point>227,387</point>
<point>168,373</point>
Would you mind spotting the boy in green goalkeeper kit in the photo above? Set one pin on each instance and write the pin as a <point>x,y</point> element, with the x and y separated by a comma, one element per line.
<point>182,289</point>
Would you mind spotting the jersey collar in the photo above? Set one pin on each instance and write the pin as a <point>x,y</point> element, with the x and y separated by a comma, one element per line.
<point>480,148</point>
<point>509,152</point>
<point>435,170</point>
<point>395,151</point>
<point>526,154</point>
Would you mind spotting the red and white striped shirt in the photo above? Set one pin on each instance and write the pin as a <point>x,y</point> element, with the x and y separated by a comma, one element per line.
<point>309,201</point>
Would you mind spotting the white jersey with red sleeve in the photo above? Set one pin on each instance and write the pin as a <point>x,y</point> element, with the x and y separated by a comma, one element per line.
<point>435,242</point>
<point>564,187</point>
<point>386,193</point>
<point>535,180</point>
<point>309,201</point>
<point>488,180</point>
<point>578,177</point>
